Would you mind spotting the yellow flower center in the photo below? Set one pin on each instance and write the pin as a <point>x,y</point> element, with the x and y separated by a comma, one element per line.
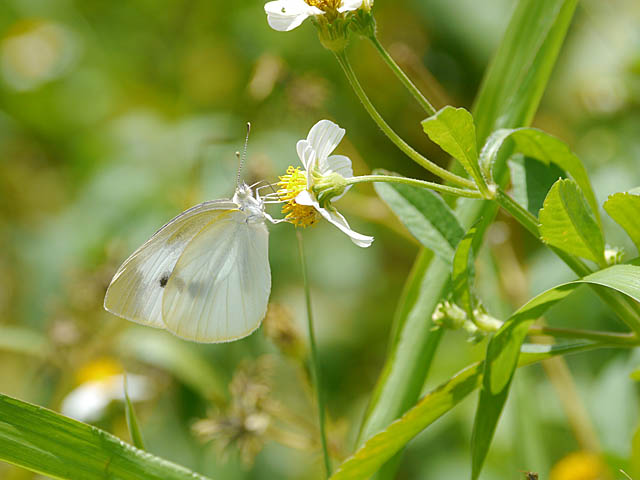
<point>325,5</point>
<point>291,185</point>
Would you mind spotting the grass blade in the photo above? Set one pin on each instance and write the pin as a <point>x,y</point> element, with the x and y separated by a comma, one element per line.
<point>132,419</point>
<point>46,442</point>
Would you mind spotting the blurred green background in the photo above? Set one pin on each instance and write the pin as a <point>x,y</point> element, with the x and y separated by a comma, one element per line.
<point>116,116</point>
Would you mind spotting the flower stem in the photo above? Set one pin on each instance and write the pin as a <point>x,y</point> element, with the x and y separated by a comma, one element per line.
<point>406,81</point>
<point>314,356</point>
<point>609,338</point>
<point>415,183</point>
<point>625,308</point>
<point>392,135</point>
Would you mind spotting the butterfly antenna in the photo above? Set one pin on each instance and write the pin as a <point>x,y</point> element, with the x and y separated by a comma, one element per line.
<point>243,157</point>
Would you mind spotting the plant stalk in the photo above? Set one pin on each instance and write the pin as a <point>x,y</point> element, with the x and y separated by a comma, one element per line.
<point>610,338</point>
<point>406,81</point>
<point>460,192</point>
<point>392,135</point>
<point>315,368</point>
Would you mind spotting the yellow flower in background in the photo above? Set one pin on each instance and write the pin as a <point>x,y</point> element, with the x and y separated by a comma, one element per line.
<point>580,466</point>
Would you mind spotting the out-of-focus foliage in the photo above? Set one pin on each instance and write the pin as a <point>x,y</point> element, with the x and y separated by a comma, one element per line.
<point>115,116</point>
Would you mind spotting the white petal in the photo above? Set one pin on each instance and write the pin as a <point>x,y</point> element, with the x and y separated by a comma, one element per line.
<point>87,402</point>
<point>305,198</point>
<point>306,153</point>
<point>349,5</point>
<point>339,221</point>
<point>338,164</point>
<point>324,137</point>
<point>285,15</point>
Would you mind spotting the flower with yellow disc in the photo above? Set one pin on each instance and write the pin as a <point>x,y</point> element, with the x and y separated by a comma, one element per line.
<point>285,15</point>
<point>309,193</point>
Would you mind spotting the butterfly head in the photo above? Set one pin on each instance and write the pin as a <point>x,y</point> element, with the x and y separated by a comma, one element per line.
<point>248,203</point>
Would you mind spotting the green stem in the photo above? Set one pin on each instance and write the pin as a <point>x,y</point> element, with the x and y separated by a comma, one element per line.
<point>406,81</point>
<point>315,368</point>
<point>624,307</point>
<point>609,338</point>
<point>415,183</point>
<point>392,135</point>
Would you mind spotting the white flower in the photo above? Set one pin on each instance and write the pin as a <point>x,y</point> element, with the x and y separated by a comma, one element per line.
<point>319,165</point>
<point>88,401</point>
<point>285,15</point>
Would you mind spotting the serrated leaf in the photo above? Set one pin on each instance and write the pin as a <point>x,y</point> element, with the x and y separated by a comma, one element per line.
<point>504,348</point>
<point>534,143</point>
<point>531,181</point>
<point>46,442</point>
<point>566,222</point>
<point>624,208</point>
<point>385,444</point>
<point>425,214</point>
<point>463,273</point>
<point>454,131</point>
<point>132,419</point>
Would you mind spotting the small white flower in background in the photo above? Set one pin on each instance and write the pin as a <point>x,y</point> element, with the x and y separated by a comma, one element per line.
<point>285,15</point>
<point>323,173</point>
<point>100,385</point>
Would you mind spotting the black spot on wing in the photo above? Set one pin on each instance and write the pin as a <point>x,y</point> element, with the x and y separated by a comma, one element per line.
<point>164,279</point>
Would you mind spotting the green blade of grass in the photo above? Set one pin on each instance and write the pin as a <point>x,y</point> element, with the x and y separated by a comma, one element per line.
<point>46,442</point>
<point>132,419</point>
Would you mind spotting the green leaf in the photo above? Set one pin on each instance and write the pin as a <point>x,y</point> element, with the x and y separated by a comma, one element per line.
<point>463,273</point>
<point>531,181</point>
<point>453,130</point>
<point>504,348</point>
<point>43,441</point>
<point>566,222</point>
<point>425,215</point>
<point>132,420</point>
<point>386,443</point>
<point>534,143</point>
<point>624,208</point>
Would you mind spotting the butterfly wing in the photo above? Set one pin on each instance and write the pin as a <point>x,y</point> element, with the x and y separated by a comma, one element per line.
<point>135,293</point>
<point>220,285</point>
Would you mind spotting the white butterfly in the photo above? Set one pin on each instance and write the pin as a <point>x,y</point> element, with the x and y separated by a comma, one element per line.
<point>204,276</point>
